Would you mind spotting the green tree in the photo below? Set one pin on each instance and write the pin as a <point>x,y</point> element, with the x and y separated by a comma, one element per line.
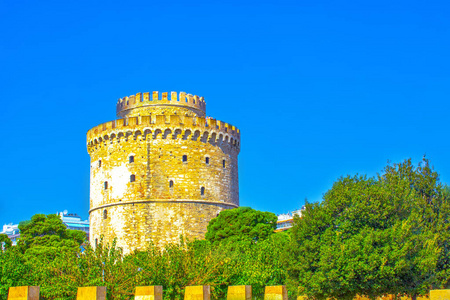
<point>14,270</point>
<point>45,241</point>
<point>442,227</point>
<point>46,235</point>
<point>372,236</point>
<point>243,223</point>
<point>218,265</point>
<point>5,242</point>
<point>262,264</point>
<point>102,266</point>
<point>248,251</point>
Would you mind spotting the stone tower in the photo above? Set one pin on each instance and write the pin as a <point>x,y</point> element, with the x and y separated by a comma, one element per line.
<point>160,171</point>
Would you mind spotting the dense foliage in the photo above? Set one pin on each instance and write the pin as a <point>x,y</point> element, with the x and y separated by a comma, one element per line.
<point>47,235</point>
<point>50,256</point>
<point>241,224</point>
<point>375,236</point>
<point>369,236</point>
<point>5,242</point>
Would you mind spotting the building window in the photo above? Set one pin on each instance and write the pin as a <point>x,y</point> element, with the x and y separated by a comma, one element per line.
<point>105,214</point>
<point>202,191</point>
<point>131,159</point>
<point>184,158</point>
<point>99,163</point>
<point>223,163</point>
<point>171,184</point>
<point>105,185</point>
<point>207,160</point>
<point>132,178</point>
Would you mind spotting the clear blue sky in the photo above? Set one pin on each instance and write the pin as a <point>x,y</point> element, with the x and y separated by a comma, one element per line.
<point>319,89</point>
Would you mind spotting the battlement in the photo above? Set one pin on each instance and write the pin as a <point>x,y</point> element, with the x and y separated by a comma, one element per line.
<point>126,104</point>
<point>158,126</point>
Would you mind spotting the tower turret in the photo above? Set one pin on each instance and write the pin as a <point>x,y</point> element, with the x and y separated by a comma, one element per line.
<point>153,103</point>
<point>161,171</point>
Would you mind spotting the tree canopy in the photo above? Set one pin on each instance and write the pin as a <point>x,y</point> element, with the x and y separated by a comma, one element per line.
<point>5,242</point>
<point>241,224</point>
<point>47,235</point>
<point>373,236</point>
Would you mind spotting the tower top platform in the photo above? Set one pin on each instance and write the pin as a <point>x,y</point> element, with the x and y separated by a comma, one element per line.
<point>143,102</point>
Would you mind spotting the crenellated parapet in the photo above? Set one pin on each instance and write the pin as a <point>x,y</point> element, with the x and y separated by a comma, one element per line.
<point>127,105</point>
<point>166,126</point>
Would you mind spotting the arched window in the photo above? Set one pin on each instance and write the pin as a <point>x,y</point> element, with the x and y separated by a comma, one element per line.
<point>202,191</point>
<point>99,163</point>
<point>207,160</point>
<point>132,178</point>
<point>184,158</point>
<point>223,163</point>
<point>105,185</point>
<point>105,214</point>
<point>131,159</point>
<point>171,184</point>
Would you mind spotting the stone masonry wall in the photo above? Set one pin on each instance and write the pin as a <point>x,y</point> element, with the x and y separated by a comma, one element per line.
<point>156,177</point>
<point>137,224</point>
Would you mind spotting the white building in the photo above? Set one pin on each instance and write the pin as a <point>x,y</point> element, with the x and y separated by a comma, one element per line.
<point>74,222</point>
<point>12,231</point>
<point>285,221</point>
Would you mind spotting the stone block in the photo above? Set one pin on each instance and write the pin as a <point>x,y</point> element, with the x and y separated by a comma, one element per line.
<point>440,295</point>
<point>91,293</point>
<point>154,292</point>
<point>198,292</point>
<point>239,292</point>
<point>277,292</point>
<point>23,293</point>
